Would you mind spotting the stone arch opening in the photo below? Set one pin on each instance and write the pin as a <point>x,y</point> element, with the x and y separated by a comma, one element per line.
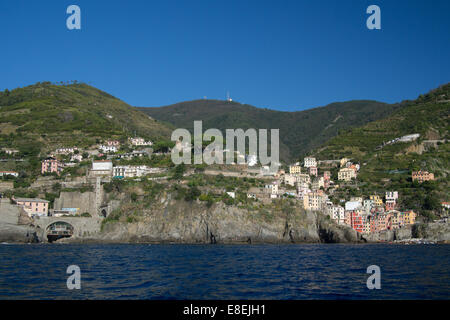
<point>58,230</point>
<point>104,213</point>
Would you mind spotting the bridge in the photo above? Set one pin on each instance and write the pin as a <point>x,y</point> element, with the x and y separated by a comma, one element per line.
<point>54,228</point>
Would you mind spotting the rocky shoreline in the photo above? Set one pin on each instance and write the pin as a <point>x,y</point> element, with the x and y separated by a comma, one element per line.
<point>181,222</point>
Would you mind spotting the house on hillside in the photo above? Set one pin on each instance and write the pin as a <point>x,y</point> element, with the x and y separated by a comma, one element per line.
<point>101,168</point>
<point>33,206</point>
<point>421,176</point>
<point>140,142</point>
<point>346,174</point>
<point>9,174</point>
<point>309,162</point>
<point>51,165</point>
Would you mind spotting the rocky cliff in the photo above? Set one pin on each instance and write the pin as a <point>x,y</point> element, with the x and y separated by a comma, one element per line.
<point>15,225</point>
<point>179,221</point>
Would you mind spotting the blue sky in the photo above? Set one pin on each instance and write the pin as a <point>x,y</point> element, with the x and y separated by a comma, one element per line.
<point>286,55</point>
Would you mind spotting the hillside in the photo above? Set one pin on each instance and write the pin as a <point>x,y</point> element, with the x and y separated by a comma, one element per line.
<point>46,115</point>
<point>389,166</point>
<point>300,131</point>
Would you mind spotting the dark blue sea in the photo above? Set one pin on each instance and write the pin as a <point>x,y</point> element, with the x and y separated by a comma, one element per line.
<point>140,271</point>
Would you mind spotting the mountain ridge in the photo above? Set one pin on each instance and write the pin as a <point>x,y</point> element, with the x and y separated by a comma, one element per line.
<point>300,131</point>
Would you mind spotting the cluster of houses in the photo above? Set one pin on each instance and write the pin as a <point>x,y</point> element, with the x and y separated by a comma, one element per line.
<point>300,182</point>
<point>106,168</point>
<point>372,214</point>
<point>52,165</point>
<point>310,189</point>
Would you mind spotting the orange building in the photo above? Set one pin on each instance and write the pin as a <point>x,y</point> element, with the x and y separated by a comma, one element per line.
<point>422,176</point>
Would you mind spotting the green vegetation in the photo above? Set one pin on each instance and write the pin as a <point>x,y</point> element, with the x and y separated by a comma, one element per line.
<point>300,131</point>
<point>389,167</point>
<point>39,118</point>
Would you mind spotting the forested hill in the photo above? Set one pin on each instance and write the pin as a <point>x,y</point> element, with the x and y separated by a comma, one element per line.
<point>46,115</point>
<point>387,163</point>
<point>300,131</point>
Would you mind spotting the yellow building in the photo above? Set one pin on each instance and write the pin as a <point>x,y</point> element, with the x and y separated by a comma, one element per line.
<point>295,169</point>
<point>397,219</point>
<point>409,217</point>
<point>377,201</point>
<point>313,201</point>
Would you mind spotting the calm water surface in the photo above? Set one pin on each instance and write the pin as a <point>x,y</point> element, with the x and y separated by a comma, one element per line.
<point>142,271</point>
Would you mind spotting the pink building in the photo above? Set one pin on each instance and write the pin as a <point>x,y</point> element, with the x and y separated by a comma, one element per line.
<point>111,143</point>
<point>33,206</point>
<point>50,165</point>
<point>390,205</point>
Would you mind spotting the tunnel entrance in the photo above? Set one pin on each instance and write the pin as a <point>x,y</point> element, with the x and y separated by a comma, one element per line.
<point>104,213</point>
<point>59,230</point>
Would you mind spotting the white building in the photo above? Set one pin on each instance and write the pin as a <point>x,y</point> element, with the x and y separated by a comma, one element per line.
<point>409,138</point>
<point>65,151</point>
<point>391,196</point>
<point>252,160</point>
<point>352,205</point>
<point>309,162</point>
<point>9,173</point>
<point>76,157</point>
<point>367,205</point>
<point>102,167</point>
<point>290,179</point>
<point>107,149</point>
<point>336,213</point>
<point>140,142</point>
<point>130,171</point>
<point>232,194</point>
<point>10,151</point>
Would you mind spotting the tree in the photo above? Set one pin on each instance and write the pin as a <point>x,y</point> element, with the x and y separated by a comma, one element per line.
<point>431,203</point>
<point>179,171</point>
<point>192,194</point>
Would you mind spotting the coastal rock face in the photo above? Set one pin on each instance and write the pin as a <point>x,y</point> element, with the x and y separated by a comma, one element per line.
<point>179,221</point>
<point>193,222</point>
<point>15,224</point>
<point>17,233</point>
<point>329,232</point>
<point>432,231</point>
<point>404,233</point>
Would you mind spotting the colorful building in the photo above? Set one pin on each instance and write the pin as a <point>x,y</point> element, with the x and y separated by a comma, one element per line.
<point>346,174</point>
<point>33,206</point>
<point>421,176</point>
<point>9,174</point>
<point>313,171</point>
<point>50,165</point>
<point>409,217</point>
<point>295,169</point>
<point>309,162</point>
<point>376,200</point>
